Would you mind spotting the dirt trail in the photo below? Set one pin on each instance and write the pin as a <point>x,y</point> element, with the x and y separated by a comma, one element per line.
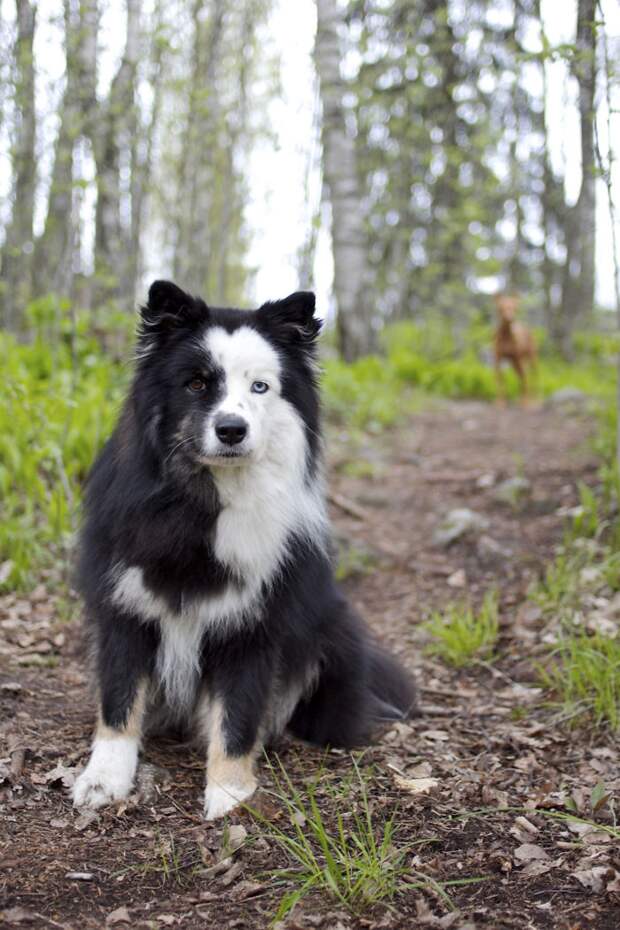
<point>482,734</point>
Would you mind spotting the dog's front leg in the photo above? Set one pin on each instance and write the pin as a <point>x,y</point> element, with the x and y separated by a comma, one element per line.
<point>232,714</point>
<point>124,659</point>
<point>230,772</point>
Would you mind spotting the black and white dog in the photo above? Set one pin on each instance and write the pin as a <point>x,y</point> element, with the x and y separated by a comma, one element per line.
<point>204,556</point>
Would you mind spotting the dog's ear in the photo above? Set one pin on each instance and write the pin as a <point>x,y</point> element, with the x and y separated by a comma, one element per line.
<point>169,308</point>
<point>292,320</point>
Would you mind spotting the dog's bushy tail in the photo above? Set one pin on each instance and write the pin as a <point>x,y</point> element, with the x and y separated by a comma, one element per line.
<point>358,687</point>
<point>392,690</point>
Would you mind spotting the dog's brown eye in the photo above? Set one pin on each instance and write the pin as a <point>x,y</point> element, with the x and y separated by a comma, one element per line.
<point>196,385</point>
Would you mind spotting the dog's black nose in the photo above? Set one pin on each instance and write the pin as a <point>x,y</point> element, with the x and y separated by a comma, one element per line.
<point>231,429</point>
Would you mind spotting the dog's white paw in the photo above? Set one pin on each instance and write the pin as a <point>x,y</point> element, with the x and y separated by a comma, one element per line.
<point>222,798</point>
<point>109,775</point>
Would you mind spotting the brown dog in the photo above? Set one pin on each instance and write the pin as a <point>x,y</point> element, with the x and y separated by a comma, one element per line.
<point>514,342</point>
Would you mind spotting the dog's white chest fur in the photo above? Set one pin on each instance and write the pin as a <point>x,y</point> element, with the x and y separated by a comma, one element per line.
<point>263,504</point>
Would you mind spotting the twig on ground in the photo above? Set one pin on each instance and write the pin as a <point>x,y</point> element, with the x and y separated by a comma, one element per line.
<point>347,505</point>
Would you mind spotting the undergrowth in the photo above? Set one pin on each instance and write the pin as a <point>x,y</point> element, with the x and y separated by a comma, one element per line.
<point>582,671</point>
<point>462,636</point>
<point>57,406</point>
<point>421,360</point>
<point>63,388</point>
<point>584,675</point>
<point>336,845</point>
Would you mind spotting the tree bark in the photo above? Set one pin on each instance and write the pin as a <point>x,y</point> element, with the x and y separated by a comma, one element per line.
<point>356,336</point>
<point>112,138</point>
<point>18,245</point>
<point>578,274</point>
<point>142,164</point>
<point>57,246</point>
<point>192,247</point>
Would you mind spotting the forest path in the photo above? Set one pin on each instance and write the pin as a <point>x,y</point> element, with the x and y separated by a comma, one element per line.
<point>483,735</point>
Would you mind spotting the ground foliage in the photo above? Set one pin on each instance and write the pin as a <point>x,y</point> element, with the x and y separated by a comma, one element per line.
<point>62,393</point>
<point>498,813</point>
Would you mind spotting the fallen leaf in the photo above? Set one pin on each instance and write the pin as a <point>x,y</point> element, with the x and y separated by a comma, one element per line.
<point>247,889</point>
<point>219,868</point>
<point>539,867</point>
<point>119,916</point>
<point>17,915</point>
<point>599,796</point>
<point>85,820</point>
<point>594,878</point>
<point>494,796</point>
<point>614,885</point>
<point>439,736</point>
<point>232,874</point>
<point>18,758</point>
<point>457,579</point>
<point>416,785</point>
<point>523,829</point>
<point>61,774</point>
<point>233,839</point>
<point>423,770</point>
<point>581,829</point>
<point>11,687</point>
<point>529,851</point>
<point>209,896</point>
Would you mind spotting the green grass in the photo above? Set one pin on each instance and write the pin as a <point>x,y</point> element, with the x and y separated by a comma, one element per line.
<point>582,672</point>
<point>559,588</point>
<point>57,406</point>
<point>583,675</point>
<point>62,390</point>
<point>421,360</point>
<point>462,636</point>
<point>367,393</point>
<point>336,846</point>
<point>567,818</point>
<point>588,558</point>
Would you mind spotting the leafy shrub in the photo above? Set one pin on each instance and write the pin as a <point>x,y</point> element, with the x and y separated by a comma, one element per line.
<point>63,389</point>
<point>57,407</point>
<point>365,393</point>
<point>374,391</point>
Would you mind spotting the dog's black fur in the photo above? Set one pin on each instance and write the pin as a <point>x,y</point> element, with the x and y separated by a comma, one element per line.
<point>150,503</point>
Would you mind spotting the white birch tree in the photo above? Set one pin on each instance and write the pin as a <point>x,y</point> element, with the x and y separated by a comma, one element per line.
<point>354,323</point>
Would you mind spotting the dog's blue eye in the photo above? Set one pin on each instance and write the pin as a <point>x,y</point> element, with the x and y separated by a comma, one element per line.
<point>259,387</point>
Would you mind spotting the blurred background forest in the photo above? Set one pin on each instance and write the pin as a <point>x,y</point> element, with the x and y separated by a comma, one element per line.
<point>408,158</point>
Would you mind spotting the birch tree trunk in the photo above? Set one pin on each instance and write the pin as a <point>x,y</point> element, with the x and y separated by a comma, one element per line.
<point>112,139</point>
<point>18,245</point>
<point>222,254</point>
<point>57,246</point>
<point>142,149</point>
<point>355,330</point>
<point>196,175</point>
<point>578,275</point>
